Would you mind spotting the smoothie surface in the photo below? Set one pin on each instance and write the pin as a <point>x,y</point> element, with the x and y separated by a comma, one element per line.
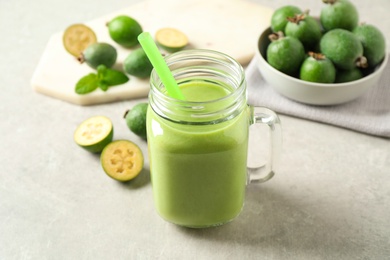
<point>201,91</point>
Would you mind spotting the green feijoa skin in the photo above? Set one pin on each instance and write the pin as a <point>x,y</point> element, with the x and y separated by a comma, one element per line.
<point>285,54</point>
<point>343,76</point>
<point>317,68</point>
<point>305,28</point>
<point>279,17</point>
<point>343,48</point>
<point>374,43</point>
<point>136,119</point>
<point>137,64</point>
<point>339,14</point>
<point>124,30</point>
<point>99,54</point>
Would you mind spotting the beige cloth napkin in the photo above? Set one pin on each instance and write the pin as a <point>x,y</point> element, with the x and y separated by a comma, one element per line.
<point>368,114</point>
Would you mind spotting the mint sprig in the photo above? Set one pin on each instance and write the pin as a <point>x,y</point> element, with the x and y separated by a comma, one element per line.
<point>103,79</point>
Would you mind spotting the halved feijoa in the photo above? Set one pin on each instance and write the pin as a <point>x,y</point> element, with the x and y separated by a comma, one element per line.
<point>122,160</point>
<point>94,133</point>
<point>171,39</point>
<point>77,38</point>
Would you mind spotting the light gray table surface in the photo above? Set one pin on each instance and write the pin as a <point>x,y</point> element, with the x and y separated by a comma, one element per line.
<point>329,200</point>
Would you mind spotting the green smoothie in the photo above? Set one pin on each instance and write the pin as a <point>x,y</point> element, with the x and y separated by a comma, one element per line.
<point>198,171</point>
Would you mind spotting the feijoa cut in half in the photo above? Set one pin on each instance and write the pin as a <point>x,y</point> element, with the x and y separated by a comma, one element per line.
<point>285,54</point>
<point>339,14</point>
<point>171,39</point>
<point>343,48</point>
<point>94,133</point>
<point>99,53</point>
<point>122,160</point>
<point>77,37</point>
<point>374,43</point>
<point>317,68</point>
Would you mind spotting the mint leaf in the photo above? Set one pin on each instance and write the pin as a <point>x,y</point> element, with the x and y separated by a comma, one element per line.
<point>111,77</point>
<point>87,84</point>
<point>103,85</point>
<point>114,77</point>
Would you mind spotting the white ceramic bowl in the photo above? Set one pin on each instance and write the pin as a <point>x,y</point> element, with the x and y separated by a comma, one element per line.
<point>310,92</point>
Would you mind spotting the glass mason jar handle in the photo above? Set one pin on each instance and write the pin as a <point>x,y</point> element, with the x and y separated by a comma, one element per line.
<point>261,115</point>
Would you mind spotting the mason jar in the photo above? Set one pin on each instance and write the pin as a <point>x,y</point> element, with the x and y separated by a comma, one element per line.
<point>198,146</point>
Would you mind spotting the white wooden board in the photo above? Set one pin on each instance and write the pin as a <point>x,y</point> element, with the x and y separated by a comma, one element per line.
<point>231,27</point>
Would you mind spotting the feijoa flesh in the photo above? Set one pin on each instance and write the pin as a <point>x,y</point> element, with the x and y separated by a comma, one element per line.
<point>305,28</point>
<point>94,133</point>
<point>77,38</point>
<point>317,68</point>
<point>279,17</point>
<point>99,53</point>
<point>343,48</point>
<point>285,54</point>
<point>339,14</point>
<point>122,160</point>
<point>374,44</point>
<point>171,39</point>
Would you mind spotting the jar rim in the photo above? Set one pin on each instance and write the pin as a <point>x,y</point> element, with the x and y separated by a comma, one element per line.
<point>200,64</point>
<point>197,53</point>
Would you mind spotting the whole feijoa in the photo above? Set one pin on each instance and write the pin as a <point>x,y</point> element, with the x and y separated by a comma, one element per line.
<point>136,119</point>
<point>305,28</point>
<point>137,64</point>
<point>343,76</point>
<point>285,54</point>
<point>279,17</point>
<point>99,53</point>
<point>317,68</point>
<point>339,14</point>
<point>343,48</point>
<point>374,43</point>
<point>124,30</point>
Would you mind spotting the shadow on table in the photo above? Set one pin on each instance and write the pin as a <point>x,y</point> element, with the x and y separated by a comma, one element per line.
<point>273,220</point>
<point>142,180</point>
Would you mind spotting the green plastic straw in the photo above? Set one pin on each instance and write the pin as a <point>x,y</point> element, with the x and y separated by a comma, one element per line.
<point>160,65</point>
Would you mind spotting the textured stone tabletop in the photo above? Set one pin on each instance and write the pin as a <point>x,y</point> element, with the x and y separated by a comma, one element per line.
<point>329,199</point>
